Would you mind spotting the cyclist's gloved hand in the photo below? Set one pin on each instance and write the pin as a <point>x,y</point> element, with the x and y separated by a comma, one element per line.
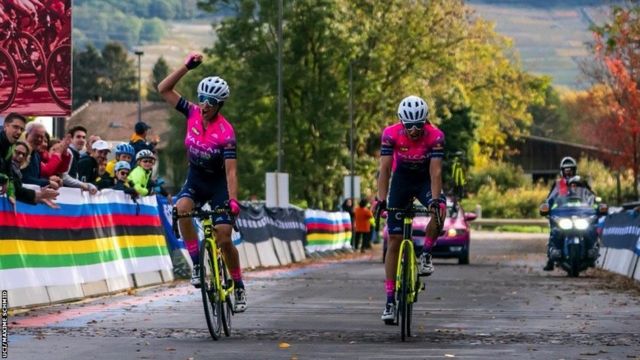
<point>436,204</point>
<point>234,205</point>
<point>193,60</point>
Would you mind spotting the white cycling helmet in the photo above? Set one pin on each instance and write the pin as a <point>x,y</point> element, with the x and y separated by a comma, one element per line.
<point>413,109</point>
<point>568,163</point>
<point>214,87</point>
<point>145,154</point>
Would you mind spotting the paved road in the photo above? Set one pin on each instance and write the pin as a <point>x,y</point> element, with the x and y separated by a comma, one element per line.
<point>499,307</point>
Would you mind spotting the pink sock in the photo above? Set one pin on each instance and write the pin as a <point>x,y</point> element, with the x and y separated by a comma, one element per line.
<point>236,274</point>
<point>390,287</point>
<point>429,242</point>
<point>192,248</point>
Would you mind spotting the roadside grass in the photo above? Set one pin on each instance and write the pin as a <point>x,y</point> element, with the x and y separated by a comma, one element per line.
<point>527,229</point>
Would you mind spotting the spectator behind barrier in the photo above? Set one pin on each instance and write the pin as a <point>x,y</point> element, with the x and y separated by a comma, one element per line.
<point>78,141</point>
<point>31,174</point>
<point>124,152</point>
<point>139,138</point>
<point>58,158</point>
<point>141,174</point>
<point>10,183</point>
<point>89,166</point>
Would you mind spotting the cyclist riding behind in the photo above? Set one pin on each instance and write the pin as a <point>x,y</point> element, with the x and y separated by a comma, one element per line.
<point>411,159</point>
<point>212,175</point>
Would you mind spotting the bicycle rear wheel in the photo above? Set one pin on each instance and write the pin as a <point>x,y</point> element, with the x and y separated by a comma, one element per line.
<point>403,301</point>
<point>8,80</point>
<point>210,293</point>
<point>226,307</point>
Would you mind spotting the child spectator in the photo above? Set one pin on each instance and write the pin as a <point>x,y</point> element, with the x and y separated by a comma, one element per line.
<point>141,174</point>
<point>124,152</point>
<point>122,182</point>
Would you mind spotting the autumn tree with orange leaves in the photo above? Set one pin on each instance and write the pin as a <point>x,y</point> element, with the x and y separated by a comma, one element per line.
<point>617,67</point>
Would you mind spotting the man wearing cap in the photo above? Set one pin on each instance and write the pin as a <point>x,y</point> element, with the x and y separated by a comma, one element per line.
<point>88,166</point>
<point>139,138</point>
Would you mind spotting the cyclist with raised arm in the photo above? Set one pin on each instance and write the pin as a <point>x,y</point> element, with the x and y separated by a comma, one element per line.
<point>410,167</point>
<point>212,176</point>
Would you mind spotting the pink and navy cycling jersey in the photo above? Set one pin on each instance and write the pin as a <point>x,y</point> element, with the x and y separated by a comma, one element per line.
<point>412,155</point>
<point>207,149</point>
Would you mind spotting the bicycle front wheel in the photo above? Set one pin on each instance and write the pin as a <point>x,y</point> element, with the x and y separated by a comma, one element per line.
<point>226,307</point>
<point>210,292</point>
<point>403,301</point>
<point>59,76</point>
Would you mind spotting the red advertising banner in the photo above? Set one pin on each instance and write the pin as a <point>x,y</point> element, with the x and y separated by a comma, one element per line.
<point>35,57</point>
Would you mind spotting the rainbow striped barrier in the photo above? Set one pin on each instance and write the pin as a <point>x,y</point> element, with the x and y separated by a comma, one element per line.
<point>327,230</point>
<point>91,245</point>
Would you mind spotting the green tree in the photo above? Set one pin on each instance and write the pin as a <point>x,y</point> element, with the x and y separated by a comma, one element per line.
<point>395,48</point>
<point>109,74</point>
<point>153,30</point>
<point>118,78</point>
<point>86,66</point>
<point>550,118</point>
<point>158,73</point>
<point>163,9</point>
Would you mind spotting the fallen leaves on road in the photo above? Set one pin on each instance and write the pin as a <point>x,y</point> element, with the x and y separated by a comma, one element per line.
<point>284,345</point>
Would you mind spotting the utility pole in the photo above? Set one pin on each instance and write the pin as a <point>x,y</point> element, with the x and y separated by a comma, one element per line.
<point>139,53</point>
<point>351,137</point>
<point>280,150</point>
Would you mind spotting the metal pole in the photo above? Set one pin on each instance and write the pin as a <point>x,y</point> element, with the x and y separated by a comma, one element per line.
<point>353,196</point>
<point>139,53</point>
<point>280,150</point>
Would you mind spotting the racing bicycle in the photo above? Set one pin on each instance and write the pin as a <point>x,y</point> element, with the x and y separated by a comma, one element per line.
<point>407,284</point>
<point>216,284</point>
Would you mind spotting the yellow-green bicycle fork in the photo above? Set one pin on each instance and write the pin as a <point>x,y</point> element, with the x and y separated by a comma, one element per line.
<point>216,284</point>
<point>407,287</point>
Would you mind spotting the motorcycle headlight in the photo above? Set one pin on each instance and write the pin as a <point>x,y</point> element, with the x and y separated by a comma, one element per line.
<point>581,224</point>
<point>565,224</point>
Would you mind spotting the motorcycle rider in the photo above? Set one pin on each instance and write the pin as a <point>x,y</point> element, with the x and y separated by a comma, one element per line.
<point>566,184</point>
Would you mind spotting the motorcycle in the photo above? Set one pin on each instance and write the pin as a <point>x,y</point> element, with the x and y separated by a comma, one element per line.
<point>574,219</point>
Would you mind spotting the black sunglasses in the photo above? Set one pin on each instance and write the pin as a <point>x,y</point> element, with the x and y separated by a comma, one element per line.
<point>411,125</point>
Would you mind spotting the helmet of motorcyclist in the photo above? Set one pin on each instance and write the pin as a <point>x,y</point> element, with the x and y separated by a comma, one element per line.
<point>213,90</point>
<point>568,167</point>
<point>413,112</point>
<point>125,148</point>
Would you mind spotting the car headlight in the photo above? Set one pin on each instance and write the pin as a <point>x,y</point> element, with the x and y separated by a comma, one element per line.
<point>581,224</point>
<point>455,232</point>
<point>565,224</point>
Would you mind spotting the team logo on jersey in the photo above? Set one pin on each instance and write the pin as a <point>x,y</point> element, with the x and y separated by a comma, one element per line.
<point>404,148</point>
<point>195,130</point>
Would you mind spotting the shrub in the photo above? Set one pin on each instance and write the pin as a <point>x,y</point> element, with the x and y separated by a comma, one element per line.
<point>603,181</point>
<point>514,203</point>
<point>503,175</point>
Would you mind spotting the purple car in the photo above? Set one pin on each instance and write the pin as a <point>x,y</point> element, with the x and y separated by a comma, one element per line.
<point>454,243</point>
